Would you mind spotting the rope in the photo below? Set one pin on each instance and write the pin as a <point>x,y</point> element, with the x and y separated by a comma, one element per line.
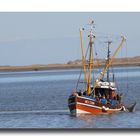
<point>127,86</point>
<point>81,71</point>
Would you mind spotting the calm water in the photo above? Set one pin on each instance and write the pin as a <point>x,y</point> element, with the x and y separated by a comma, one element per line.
<point>39,100</point>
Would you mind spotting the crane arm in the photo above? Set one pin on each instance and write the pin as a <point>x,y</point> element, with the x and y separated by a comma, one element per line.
<point>110,62</point>
<point>83,57</point>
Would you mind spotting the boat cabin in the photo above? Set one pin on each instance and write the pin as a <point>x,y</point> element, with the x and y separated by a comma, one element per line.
<point>106,89</point>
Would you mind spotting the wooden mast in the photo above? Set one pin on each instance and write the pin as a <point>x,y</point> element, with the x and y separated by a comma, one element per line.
<point>83,57</point>
<point>90,64</point>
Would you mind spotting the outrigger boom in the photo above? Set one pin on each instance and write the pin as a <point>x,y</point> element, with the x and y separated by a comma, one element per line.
<point>109,63</point>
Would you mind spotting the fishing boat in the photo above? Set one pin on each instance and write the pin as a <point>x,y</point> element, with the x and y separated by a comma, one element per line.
<point>98,96</point>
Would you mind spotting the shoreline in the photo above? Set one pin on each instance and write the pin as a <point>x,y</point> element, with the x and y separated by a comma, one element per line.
<point>57,67</point>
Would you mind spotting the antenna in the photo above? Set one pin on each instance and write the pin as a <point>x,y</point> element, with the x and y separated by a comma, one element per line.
<point>92,25</point>
<point>108,57</point>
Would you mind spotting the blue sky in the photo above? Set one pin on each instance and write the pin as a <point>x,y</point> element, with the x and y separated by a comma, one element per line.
<point>44,38</point>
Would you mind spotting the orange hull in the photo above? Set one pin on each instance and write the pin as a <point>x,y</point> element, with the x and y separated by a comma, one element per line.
<point>84,105</point>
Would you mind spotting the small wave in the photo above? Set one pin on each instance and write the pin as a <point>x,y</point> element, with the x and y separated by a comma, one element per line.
<point>48,112</point>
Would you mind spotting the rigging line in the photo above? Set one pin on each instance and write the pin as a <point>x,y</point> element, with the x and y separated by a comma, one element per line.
<point>95,56</point>
<point>118,88</point>
<point>121,75</point>
<point>92,72</point>
<point>126,70</point>
<point>78,79</point>
<point>127,86</point>
<point>113,77</point>
<point>97,59</point>
<point>85,62</point>
<point>81,71</point>
<point>99,68</point>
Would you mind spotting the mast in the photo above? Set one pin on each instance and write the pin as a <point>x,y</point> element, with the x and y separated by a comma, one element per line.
<point>83,57</point>
<point>90,61</point>
<point>108,58</point>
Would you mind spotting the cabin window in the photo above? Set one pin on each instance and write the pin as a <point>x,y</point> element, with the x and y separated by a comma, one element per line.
<point>108,93</point>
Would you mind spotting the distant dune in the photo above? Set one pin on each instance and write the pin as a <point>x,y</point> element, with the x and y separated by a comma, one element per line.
<point>130,61</point>
<point>117,61</point>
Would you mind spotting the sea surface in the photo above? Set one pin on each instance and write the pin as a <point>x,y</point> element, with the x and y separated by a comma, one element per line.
<point>38,99</point>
